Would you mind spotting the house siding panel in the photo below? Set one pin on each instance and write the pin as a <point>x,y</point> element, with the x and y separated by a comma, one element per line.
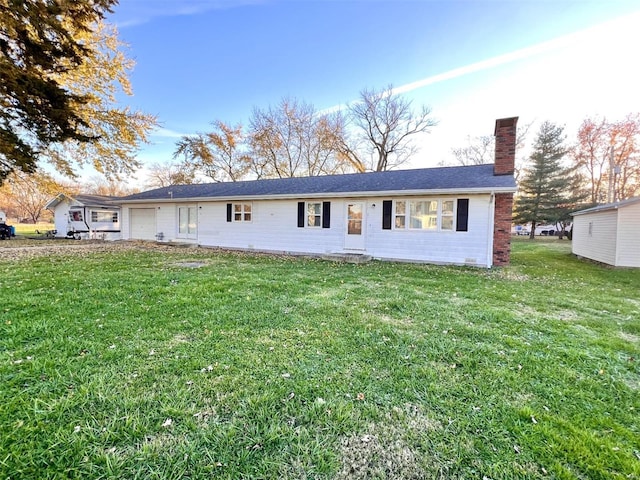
<point>600,244</point>
<point>628,245</point>
<point>274,227</point>
<point>453,247</point>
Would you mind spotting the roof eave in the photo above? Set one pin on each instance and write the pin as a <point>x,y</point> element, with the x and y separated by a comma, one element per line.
<point>386,193</point>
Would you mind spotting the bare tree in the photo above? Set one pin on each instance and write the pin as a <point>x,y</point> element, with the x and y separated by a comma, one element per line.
<point>167,174</point>
<point>25,195</point>
<point>220,155</point>
<point>98,185</point>
<point>387,124</point>
<point>294,140</point>
<point>591,155</point>
<point>608,155</point>
<point>481,150</point>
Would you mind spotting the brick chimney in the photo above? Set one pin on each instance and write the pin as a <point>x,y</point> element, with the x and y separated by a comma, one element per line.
<point>505,157</point>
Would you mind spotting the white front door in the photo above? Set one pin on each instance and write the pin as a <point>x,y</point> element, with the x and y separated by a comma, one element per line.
<point>354,236</point>
<point>187,222</point>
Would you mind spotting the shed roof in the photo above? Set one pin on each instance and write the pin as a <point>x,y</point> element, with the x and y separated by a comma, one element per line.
<point>464,179</point>
<point>85,200</point>
<point>608,206</point>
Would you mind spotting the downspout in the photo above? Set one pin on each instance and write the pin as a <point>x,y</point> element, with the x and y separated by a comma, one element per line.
<point>492,208</point>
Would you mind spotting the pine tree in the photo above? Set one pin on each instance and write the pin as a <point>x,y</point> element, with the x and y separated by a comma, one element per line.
<point>37,47</point>
<point>547,190</point>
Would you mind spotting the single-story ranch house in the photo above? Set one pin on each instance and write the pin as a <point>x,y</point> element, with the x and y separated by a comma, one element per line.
<point>609,233</point>
<point>85,216</point>
<point>451,215</point>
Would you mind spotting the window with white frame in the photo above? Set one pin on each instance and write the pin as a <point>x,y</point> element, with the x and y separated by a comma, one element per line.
<point>314,214</point>
<point>104,216</point>
<point>424,214</point>
<point>241,212</point>
<point>187,221</point>
<point>401,214</point>
<point>446,215</point>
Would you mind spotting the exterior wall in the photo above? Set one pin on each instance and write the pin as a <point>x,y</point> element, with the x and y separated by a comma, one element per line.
<point>502,218</point>
<point>628,244</point>
<point>125,221</point>
<point>472,247</point>
<point>97,230</point>
<point>274,228</point>
<point>61,218</point>
<point>594,236</point>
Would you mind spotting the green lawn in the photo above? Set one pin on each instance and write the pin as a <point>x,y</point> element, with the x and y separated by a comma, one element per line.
<point>31,229</point>
<point>129,364</point>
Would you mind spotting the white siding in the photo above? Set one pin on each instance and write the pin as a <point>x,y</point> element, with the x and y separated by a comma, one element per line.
<point>594,236</point>
<point>628,251</point>
<point>140,224</point>
<point>61,218</point>
<point>274,228</point>
<point>470,247</point>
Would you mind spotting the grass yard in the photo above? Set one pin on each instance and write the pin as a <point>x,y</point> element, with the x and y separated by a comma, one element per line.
<point>30,229</point>
<point>134,364</point>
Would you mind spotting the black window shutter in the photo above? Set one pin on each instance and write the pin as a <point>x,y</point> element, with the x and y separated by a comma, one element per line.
<point>300,214</point>
<point>386,214</point>
<point>229,208</point>
<point>462,217</point>
<point>326,214</point>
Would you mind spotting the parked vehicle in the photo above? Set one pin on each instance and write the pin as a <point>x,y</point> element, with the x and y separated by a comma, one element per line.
<point>520,230</point>
<point>6,231</point>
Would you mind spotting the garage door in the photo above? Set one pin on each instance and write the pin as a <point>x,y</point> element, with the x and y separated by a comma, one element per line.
<point>143,223</point>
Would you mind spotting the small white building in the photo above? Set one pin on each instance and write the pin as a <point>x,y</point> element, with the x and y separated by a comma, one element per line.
<point>451,215</point>
<point>609,233</point>
<point>85,216</point>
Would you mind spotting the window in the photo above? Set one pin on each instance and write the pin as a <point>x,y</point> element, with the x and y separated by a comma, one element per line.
<point>104,216</point>
<point>426,214</point>
<point>75,215</point>
<point>314,214</point>
<point>423,215</point>
<point>446,217</point>
<point>187,221</point>
<point>401,212</point>
<point>241,212</point>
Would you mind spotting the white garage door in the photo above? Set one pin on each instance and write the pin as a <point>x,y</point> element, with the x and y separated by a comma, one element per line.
<point>143,223</point>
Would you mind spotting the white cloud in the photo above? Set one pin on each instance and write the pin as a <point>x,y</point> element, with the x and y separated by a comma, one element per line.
<point>131,14</point>
<point>168,133</point>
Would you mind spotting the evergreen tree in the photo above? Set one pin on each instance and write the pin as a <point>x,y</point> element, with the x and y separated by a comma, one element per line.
<point>547,190</point>
<point>37,47</point>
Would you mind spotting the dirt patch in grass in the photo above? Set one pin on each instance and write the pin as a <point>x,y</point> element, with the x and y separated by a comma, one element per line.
<point>509,273</point>
<point>190,264</point>
<point>629,337</point>
<point>385,450</point>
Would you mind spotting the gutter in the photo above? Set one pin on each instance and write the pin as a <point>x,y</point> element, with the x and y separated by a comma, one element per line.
<point>290,196</point>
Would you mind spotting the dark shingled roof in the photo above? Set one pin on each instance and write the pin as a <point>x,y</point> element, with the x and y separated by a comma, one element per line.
<point>95,200</point>
<point>456,179</point>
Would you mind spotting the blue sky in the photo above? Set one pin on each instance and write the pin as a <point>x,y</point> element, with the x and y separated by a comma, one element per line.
<point>471,61</point>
